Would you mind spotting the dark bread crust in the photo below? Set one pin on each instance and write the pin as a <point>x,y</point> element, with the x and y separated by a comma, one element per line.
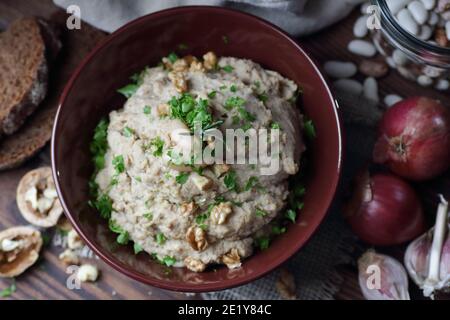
<point>24,79</point>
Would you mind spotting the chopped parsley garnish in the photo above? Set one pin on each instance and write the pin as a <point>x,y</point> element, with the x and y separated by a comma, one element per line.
<point>148,216</point>
<point>128,90</point>
<point>128,132</point>
<point>260,213</point>
<point>234,102</point>
<point>228,68</point>
<point>123,236</point>
<point>230,181</point>
<point>236,119</point>
<point>99,144</point>
<point>277,230</point>
<point>147,110</point>
<point>138,179</point>
<point>262,243</point>
<point>182,177</point>
<point>225,39</point>
<point>168,261</point>
<point>8,291</point>
<point>251,183</point>
<point>137,248</point>
<point>160,238</point>
<point>200,220</point>
<point>119,164</point>
<point>246,115</point>
<point>212,94</point>
<point>310,129</point>
<point>158,146</point>
<point>291,215</point>
<point>172,57</point>
<point>233,88</point>
<point>104,206</point>
<point>275,125</point>
<point>263,97</point>
<point>223,87</point>
<point>246,127</point>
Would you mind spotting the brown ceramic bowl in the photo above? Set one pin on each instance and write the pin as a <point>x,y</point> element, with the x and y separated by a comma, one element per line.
<point>91,95</point>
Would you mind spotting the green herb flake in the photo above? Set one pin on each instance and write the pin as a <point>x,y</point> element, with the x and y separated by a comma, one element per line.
<point>8,291</point>
<point>246,127</point>
<point>291,215</point>
<point>233,88</point>
<point>310,129</point>
<point>223,87</point>
<point>260,213</point>
<point>277,230</point>
<point>251,183</point>
<point>128,90</point>
<point>128,132</point>
<point>230,181</point>
<point>119,164</point>
<point>137,248</point>
<point>99,144</point>
<point>172,57</point>
<point>234,102</point>
<point>160,239</point>
<point>168,261</point>
<point>263,97</point>
<point>148,216</point>
<point>147,110</point>
<point>212,94</point>
<point>262,243</point>
<point>123,238</point>
<point>275,126</point>
<point>158,146</point>
<point>104,206</point>
<point>182,177</point>
<point>246,115</point>
<point>228,69</point>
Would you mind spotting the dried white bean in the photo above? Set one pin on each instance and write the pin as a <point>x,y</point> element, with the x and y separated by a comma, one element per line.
<point>442,85</point>
<point>340,69</point>
<point>418,11</point>
<point>396,5</point>
<point>362,48</point>
<point>392,99</point>
<point>370,89</point>
<point>424,81</point>
<point>425,33</point>
<point>429,4</point>
<point>399,57</point>
<point>407,22</point>
<point>360,29</point>
<point>432,72</point>
<point>348,86</point>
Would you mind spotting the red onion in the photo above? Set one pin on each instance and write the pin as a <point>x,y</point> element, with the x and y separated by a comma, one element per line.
<point>384,210</point>
<point>414,139</point>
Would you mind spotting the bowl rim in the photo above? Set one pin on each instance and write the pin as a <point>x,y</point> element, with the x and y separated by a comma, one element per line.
<point>230,283</point>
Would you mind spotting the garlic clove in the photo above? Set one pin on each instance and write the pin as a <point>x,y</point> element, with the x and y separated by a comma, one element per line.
<point>427,258</point>
<point>382,277</point>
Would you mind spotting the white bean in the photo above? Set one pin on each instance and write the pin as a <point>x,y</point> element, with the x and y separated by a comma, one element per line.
<point>396,5</point>
<point>370,89</point>
<point>425,32</point>
<point>340,69</point>
<point>362,48</point>
<point>407,22</point>
<point>429,4</point>
<point>418,11</point>
<point>390,62</point>
<point>424,81</point>
<point>442,85</point>
<point>399,57</point>
<point>348,86</point>
<point>392,99</point>
<point>360,29</point>
<point>447,29</point>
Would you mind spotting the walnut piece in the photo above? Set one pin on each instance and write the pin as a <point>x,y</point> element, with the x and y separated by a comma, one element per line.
<point>69,257</point>
<point>209,60</point>
<point>87,273</point>
<point>232,259</point>
<point>179,81</point>
<point>286,285</point>
<point>180,65</point>
<point>163,110</point>
<point>194,264</point>
<point>73,240</point>
<point>188,208</point>
<point>201,182</point>
<point>196,237</point>
<point>220,212</point>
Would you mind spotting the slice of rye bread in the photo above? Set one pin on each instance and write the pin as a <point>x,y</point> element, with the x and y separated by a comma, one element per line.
<point>37,130</point>
<point>25,50</point>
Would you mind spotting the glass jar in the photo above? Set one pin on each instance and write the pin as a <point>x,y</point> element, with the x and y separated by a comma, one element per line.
<point>415,59</point>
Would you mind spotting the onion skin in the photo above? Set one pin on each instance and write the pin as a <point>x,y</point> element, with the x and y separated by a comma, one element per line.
<point>414,139</point>
<point>384,210</point>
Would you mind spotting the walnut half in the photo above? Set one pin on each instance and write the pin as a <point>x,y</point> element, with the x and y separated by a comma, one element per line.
<point>194,264</point>
<point>220,212</point>
<point>232,259</point>
<point>196,237</point>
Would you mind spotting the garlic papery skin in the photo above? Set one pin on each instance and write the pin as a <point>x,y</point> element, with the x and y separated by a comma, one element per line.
<point>382,277</point>
<point>427,258</point>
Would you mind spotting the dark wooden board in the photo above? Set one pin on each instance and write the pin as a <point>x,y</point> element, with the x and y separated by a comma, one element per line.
<point>47,279</point>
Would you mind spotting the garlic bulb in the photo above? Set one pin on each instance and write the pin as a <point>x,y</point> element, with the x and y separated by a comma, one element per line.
<point>427,258</point>
<point>382,277</point>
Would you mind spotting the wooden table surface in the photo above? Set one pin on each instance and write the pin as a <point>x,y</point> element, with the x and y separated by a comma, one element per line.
<point>47,279</point>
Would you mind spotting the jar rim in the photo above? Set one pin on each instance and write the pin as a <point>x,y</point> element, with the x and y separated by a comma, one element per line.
<point>408,40</point>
